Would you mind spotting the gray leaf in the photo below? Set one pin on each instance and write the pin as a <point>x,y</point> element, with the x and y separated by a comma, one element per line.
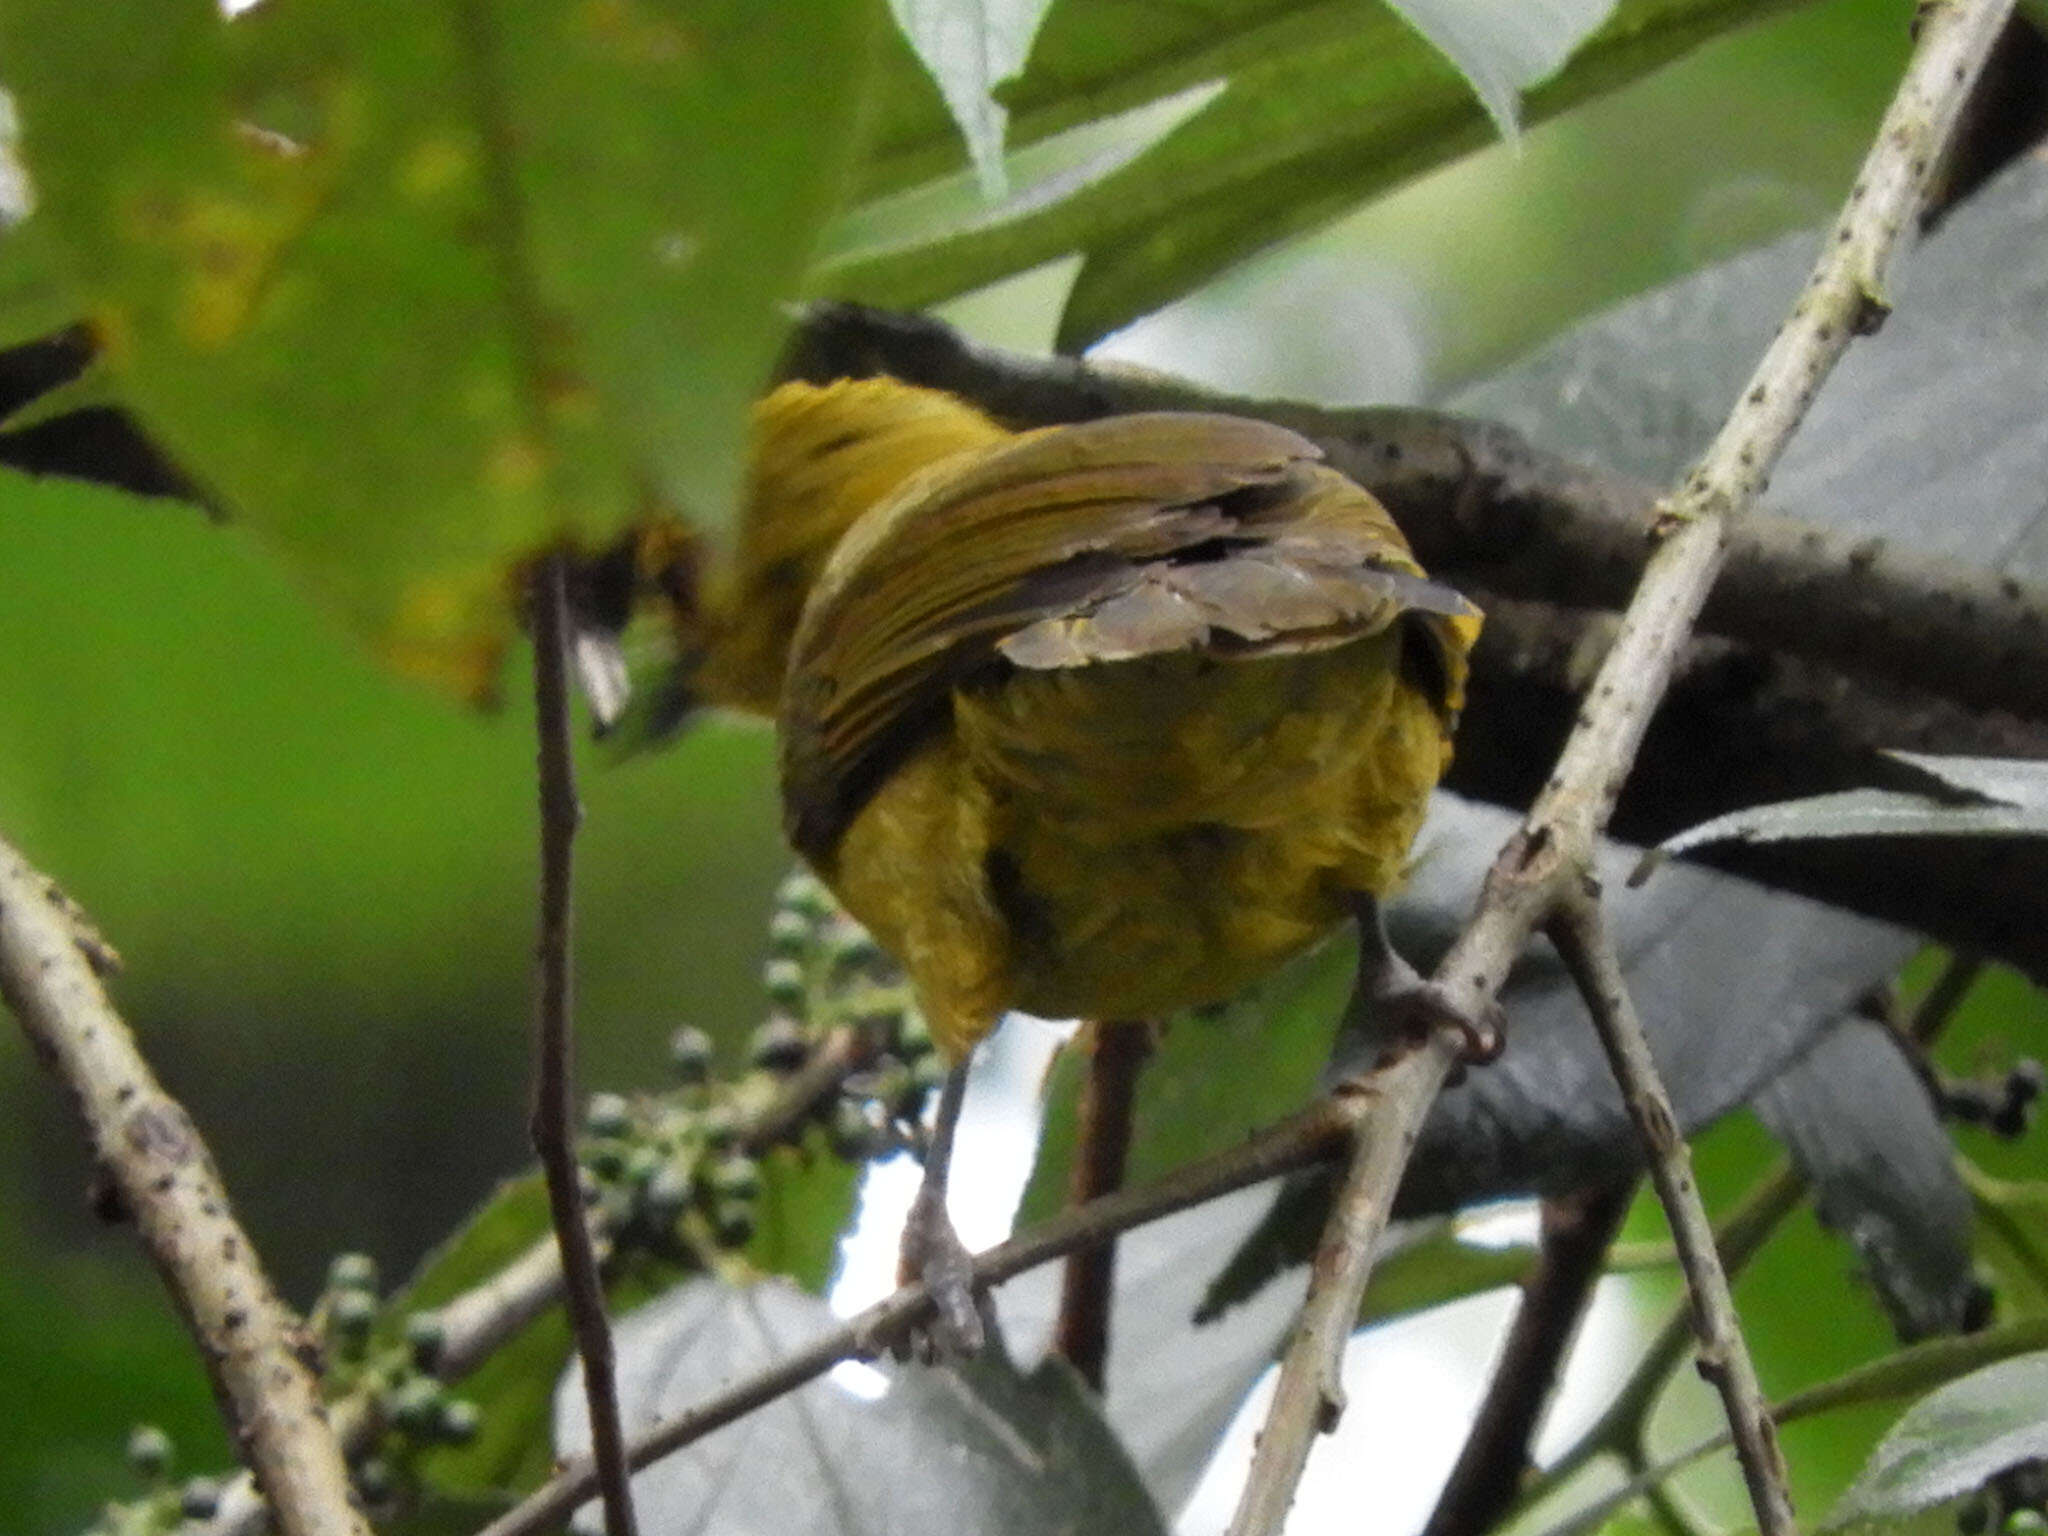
<point>954,1449</point>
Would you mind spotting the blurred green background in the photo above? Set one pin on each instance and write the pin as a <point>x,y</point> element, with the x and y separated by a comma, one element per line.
<point>321,880</point>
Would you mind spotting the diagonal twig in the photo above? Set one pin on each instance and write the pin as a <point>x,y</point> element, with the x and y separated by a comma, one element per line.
<point>144,1142</point>
<point>1582,939</point>
<point>1313,1135</point>
<point>553,1119</point>
<point>1546,861</point>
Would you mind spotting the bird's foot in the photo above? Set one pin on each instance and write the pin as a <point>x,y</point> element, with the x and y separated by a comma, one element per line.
<point>1410,1010</point>
<point>933,1253</point>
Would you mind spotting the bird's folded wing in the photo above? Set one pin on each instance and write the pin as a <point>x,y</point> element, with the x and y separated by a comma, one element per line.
<point>1101,542</point>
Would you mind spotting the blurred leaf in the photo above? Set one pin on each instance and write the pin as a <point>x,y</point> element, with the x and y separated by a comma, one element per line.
<point>1982,797</point>
<point>971,47</point>
<point>1326,105</point>
<point>1216,1075</point>
<point>420,290</point>
<point>1952,1441</point>
<point>807,1200</point>
<point>967,1449</point>
<point>1502,47</point>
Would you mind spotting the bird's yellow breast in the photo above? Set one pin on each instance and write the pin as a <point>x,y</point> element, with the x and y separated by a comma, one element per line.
<point>1132,838</point>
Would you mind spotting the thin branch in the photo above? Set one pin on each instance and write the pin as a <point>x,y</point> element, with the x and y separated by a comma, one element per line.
<point>1581,938</point>
<point>1315,1134</point>
<point>553,1119</point>
<point>1621,1427</point>
<point>1576,1234</point>
<point>1938,1007</point>
<point>144,1142</point>
<point>1117,1049</point>
<point>1551,857</point>
<point>1908,1372</point>
<point>1309,1397</point>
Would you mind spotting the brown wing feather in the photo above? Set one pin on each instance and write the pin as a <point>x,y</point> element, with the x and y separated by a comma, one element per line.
<point>1074,545</point>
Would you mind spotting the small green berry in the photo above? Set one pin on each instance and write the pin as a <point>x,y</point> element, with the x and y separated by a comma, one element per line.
<point>735,1178</point>
<point>2025,1522</point>
<point>779,1045</point>
<point>415,1406</point>
<point>643,1165</point>
<point>789,934</point>
<point>351,1314</point>
<point>374,1480</point>
<point>803,893</point>
<point>733,1225</point>
<point>913,1035</point>
<point>854,1131</point>
<point>424,1336</point>
<point>665,1195</point>
<point>607,1115</point>
<point>721,1127</point>
<point>352,1272</point>
<point>690,1053</point>
<point>784,982</point>
<point>852,945</point>
<point>200,1498</point>
<point>149,1452</point>
<point>459,1422</point>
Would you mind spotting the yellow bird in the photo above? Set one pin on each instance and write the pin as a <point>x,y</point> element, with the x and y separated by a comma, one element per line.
<point>1103,721</point>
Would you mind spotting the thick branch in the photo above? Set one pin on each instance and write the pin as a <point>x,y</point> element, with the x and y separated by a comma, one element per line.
<point>1484,506</point>
<point>145,1143</point>
<point>1743,727</point>
<point>1581,938</point>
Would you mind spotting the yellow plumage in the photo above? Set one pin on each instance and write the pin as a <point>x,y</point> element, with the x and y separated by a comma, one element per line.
<point>1104,720</point>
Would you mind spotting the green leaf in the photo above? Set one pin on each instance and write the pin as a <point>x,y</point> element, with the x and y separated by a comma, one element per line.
<point>971,47</point>
<point>1953,1441</point>
<point>2012,1236</point>
<point>807,1199</point>
<point>1323,107</point>
<point>1502,47</point>
<point>418,290</point>
<point>1217,1074</point>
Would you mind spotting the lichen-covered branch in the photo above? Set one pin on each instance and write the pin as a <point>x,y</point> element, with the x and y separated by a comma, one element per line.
<point>152,1154</point>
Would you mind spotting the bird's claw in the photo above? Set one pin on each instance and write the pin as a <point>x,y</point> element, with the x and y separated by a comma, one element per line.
<point>933,1253</point>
